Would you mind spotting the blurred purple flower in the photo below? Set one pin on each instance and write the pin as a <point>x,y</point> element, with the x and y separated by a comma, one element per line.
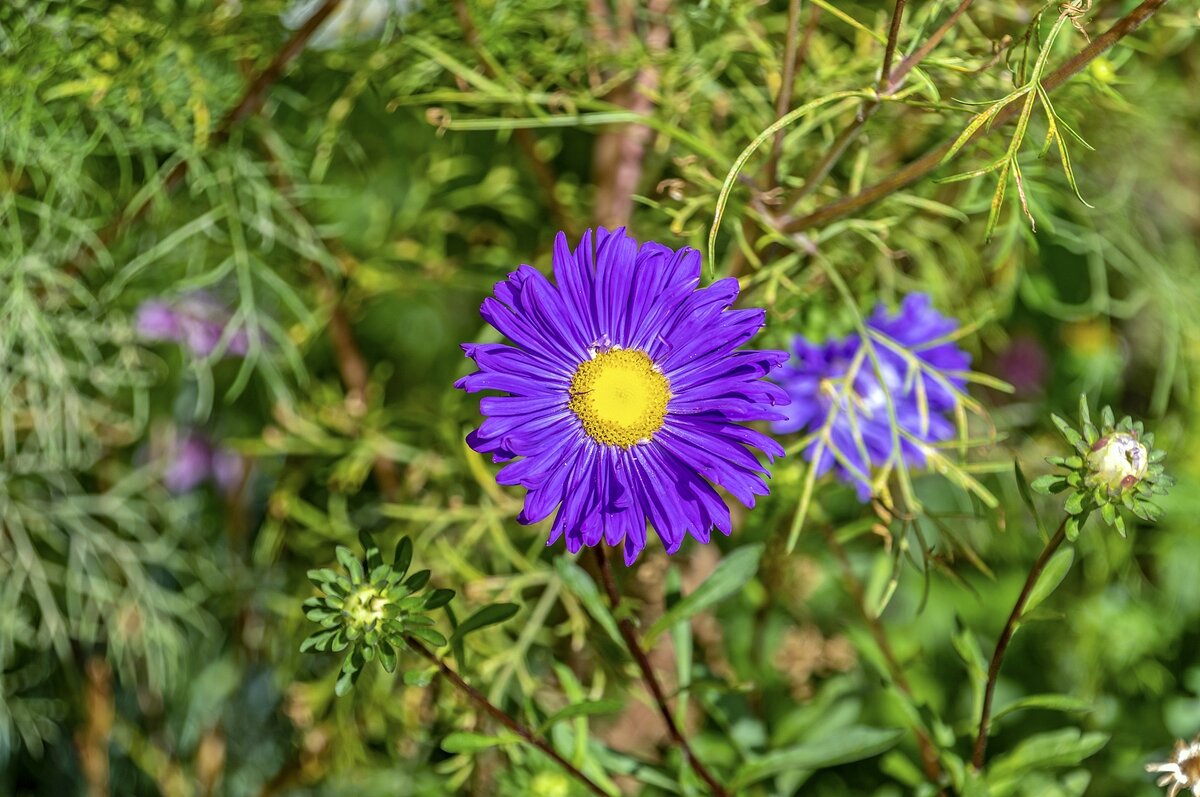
<point>195,459</point>
<point>919,368</point>
<point>1024,365</point>
<point>197,321</point>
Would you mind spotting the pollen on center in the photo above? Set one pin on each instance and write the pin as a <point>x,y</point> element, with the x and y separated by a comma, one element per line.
<point>620,397</point>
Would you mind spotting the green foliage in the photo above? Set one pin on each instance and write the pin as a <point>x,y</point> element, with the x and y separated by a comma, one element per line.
<point>351,212</point>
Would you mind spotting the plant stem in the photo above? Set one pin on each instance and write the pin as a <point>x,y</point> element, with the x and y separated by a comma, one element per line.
<point>931,160</point>
<point>1006,635</point>
<point>503,717</point>
<point>889,50</point>
<point>629,634</point>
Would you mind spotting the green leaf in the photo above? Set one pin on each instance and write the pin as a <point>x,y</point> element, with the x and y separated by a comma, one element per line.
<point>840,747</point>
<point>1052,576</point>
<point>488,615</point>
<point>1066,703</point>
<point>319,640</point>
<point>1047,484</point>
<point>427,634</point>
<point>439,598</point>
<point>349,561</point>
<point>1075,502</point>
<point>1062,748</point>
<point>1026,496</point>
<point>586,708</point>
<point>417,581</point>
<point>731,575</point>
<point>581,585</point>
<point>1073,525</point>
<point>403,557</point>
<point>370,550</point>
<point>345,682</point>
<point>1073,437</point>
<point>466,742</point>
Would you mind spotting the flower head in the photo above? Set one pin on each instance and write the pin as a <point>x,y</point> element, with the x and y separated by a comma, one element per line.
<point>848,399</point>
<point>374,609</point>
<point>624,394</point>
<point>1115,465</point>
<point>1182,770</point>
<point>197,320</point>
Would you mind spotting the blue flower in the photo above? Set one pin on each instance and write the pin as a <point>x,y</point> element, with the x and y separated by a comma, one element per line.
<point>624,393</point>
<point>840,392</point>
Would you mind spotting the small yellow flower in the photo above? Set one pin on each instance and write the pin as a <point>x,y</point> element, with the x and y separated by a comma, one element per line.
<point>1182,771</point>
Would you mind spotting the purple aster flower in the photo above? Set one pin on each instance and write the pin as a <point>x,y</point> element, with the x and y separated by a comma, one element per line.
<point>197,321</point>
<point>840,395</point>
<point>194,459</point>
<point>624,394</point>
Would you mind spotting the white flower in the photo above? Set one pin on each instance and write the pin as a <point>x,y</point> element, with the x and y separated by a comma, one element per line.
<point>1182,771</point>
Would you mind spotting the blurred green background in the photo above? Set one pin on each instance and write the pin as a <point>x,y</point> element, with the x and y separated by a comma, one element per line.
<point>355,195</point>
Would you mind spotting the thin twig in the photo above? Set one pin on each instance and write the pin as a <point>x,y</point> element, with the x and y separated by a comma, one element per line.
<point>889,83</point>
<point>929,754</point>
<point>783,101</point>
<point>629,634</point>
<point>896,79</point>
<point>931,160</point>
<point>889,49</point>
<point>503,717</point>
<point>1006,636</point>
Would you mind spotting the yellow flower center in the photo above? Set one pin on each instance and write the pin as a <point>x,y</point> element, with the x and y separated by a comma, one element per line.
<point>620,397</point>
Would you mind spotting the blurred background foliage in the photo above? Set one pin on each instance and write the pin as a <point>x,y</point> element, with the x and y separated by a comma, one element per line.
<point>350,197</point>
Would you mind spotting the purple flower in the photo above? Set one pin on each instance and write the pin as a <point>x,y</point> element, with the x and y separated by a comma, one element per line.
<point>197,321</point>
<point>841,395</point>
<point>195,459</point>
<point>624,394</point>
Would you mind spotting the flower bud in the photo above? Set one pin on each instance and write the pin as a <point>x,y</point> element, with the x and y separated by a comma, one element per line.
<point>1117,462</point>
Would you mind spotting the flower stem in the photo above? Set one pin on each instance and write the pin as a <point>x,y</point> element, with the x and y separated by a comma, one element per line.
<point>503,717</point>
<point>1052,545</point>
<point>629,634</point>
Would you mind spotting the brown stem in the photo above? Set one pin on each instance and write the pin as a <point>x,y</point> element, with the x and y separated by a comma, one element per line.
<point>93,740</point>
<point>620,154</point>
<point>889,50</point>
<point>931,160</point>
<point>1006,636</point>
<point>783,101</point>
<point>889,83</point>
<point>929,754</point>
<point>502,717</point>
<point>352,366</point>
<point>629,634</point>
<point>896,79</point>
